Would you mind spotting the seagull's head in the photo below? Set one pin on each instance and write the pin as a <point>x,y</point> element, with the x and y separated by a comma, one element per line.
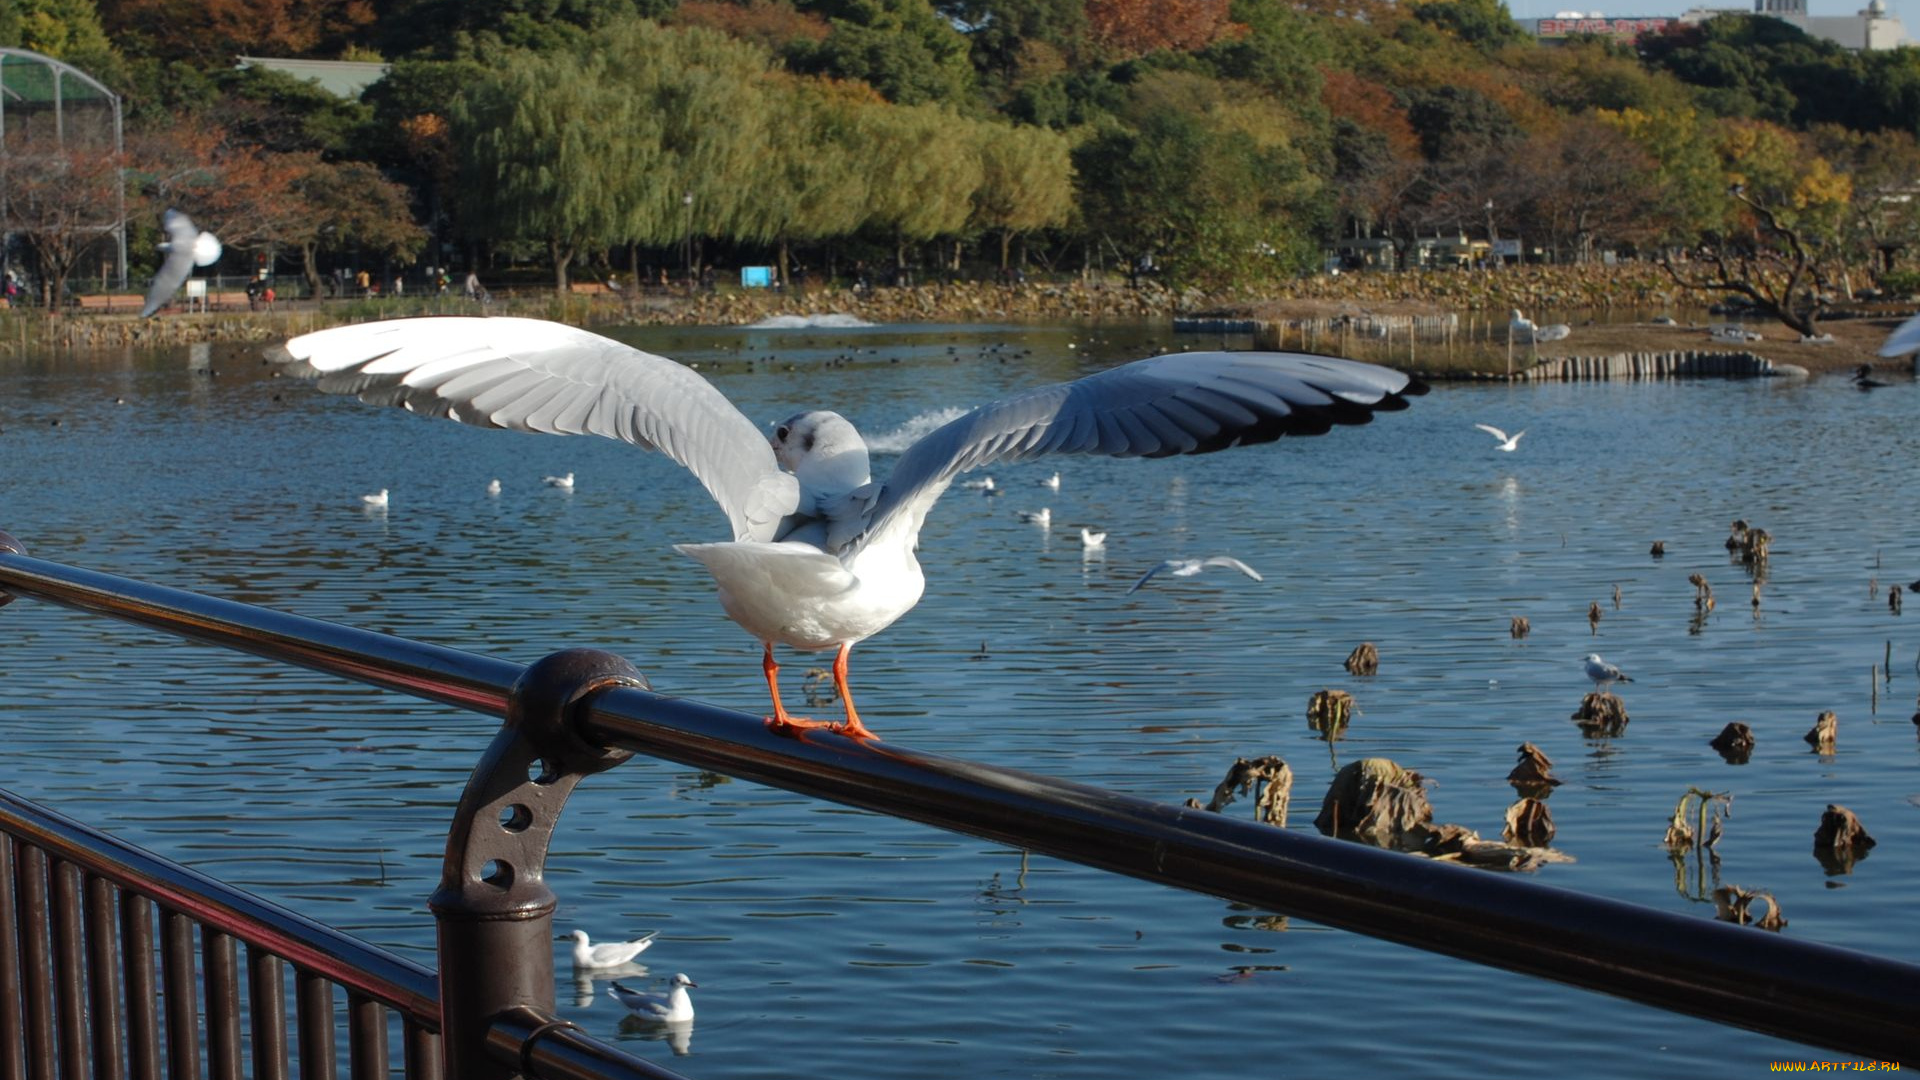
<point>1593,660</point>
<point>823,450</point>
<point>682,980</point>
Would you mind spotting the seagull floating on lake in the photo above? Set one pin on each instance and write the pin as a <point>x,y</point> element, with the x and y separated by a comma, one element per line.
<point>1051,482</point>
<point>564,483</point>
<point>1091,540</point>
<point>185,247</point>
<point>606,954</point>
<point>378,498</point>
<point>820,554</point>
<point>1190,567</point>
<point>493,486</point>
<point>985,483</point>
<point>673,1007</point>
<point>1508,442</point>
<point>1603,674</point>
<point>1042,517</point>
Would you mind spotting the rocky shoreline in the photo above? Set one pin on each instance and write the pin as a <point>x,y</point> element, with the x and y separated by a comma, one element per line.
<point>1481,298</point>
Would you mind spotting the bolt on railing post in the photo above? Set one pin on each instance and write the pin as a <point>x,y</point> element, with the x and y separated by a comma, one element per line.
<point>493,908</point>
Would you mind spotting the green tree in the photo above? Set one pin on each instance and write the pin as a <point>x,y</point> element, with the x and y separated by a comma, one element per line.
<point>1485,24</point>
<point>923,167</point>
<point>1026,182</point>
<point>551,145</point>
<point>68,30</point>
<point>810,184</point>
<point>902,48</point>
<point>349,205</point>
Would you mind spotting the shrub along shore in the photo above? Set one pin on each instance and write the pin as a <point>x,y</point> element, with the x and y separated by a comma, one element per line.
<point>1567,293</point>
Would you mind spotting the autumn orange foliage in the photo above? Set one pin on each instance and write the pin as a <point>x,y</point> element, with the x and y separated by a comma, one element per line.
<point>1130,28</point>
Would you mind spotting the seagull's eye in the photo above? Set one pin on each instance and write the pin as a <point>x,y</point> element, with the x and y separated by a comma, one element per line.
<point>780,433</point>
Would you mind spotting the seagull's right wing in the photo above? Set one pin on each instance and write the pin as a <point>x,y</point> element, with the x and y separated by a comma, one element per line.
<point>1493,431</point>
<point>1181,403</point>
<point>1904,340</point>
<point>531,375</point>
<point>1144,578</point>
<point>178,263</point>
<point>1231,563</point>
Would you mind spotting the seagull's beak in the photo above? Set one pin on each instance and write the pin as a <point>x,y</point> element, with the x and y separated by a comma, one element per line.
<point>562,937</point>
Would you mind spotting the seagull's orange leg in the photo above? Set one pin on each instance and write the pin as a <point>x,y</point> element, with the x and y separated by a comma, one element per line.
<point>780,718</point>
<point>853,728</point>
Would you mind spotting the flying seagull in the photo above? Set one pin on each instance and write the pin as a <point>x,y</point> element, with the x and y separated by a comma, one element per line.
<point>1508,442</point>
<point>1190,567</point>
<point>185,248</point>
<point>820,554</point>
<point>1903,340</point>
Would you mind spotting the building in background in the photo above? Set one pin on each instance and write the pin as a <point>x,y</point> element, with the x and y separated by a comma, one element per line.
<point>1871,28</point>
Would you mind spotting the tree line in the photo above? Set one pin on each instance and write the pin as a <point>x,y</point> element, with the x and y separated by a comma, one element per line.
<point>1220,143</point>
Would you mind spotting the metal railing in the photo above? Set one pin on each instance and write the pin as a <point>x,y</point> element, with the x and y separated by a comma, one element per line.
<point>579,712</point>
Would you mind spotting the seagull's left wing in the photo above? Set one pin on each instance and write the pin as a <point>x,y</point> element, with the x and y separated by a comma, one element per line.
<point>1493,431</point>
<point>531,375</point>
<point>178,263</point>
<point>1904,340</point>
<point>1183,403</point>
<point>1231,563</point>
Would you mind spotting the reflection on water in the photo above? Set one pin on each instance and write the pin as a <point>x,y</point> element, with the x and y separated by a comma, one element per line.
<point>958,956</point>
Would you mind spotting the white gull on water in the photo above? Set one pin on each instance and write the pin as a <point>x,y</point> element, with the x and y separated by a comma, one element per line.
<point>671,1008</point>
<point>821,554</point>
<point>607,954</point>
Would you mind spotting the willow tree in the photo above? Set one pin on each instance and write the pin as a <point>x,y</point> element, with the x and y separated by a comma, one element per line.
<point>923,165</point>
<point>700,113</point>
<point>553,146</point>
<point>1026,181</point>
<point>809,185</point>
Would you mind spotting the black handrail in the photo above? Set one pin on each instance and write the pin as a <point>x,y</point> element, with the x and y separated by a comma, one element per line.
<point>1799,990</point>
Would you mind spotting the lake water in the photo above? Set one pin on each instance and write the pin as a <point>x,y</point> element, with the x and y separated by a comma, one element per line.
<point>829,942</point>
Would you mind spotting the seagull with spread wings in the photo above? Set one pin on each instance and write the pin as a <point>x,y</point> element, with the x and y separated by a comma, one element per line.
<point>185,247</point>
<point>821,554</point>
<point>1509,443</point>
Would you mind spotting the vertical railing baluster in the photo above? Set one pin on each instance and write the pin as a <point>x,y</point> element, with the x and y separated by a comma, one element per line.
<point>267,1013</point>
<point>220,971</point>
<point>366,1037</point>
<point>313,997</point>
<point>68,989</point>
<point>423,1052</point>
<point>12,1034</point>
<point>36,971</point>
<point>137,972</point>
<point>103,990</point>
<point>183,1015</point>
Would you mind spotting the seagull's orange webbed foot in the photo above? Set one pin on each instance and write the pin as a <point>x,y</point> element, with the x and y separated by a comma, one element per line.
<point>787,723</point>
<point>853,728</point>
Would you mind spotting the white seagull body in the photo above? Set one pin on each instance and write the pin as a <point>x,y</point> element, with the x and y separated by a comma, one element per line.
<point>673,1007</point>
<point>378,498</point>
<point>1190,567</point>
<point>564,483</point>
<point>607,954</point>
<point>1051,482</point>
<point>493,486</point>
<point>821,554</point>
<point>1042,517</point>
<point>1524,329</point>
<point>1091,540</point>
<point>185,247</point>
<point>1508,442</point>
<point>1603,674</point>
<point>985,483</point>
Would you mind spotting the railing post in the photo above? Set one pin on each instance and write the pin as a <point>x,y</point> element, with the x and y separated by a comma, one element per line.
<point>493,908</point>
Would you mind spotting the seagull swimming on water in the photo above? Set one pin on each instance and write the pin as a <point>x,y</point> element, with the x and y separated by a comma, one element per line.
<point>1603,674</point>
<point>673,1007</point>
<point>378,498</point>
<point>564,483</point>
<point>1509,443</point>
<point>820,553</point>
<point>185,247</point>
<point>1190,567</point>
<point>607,954</point>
